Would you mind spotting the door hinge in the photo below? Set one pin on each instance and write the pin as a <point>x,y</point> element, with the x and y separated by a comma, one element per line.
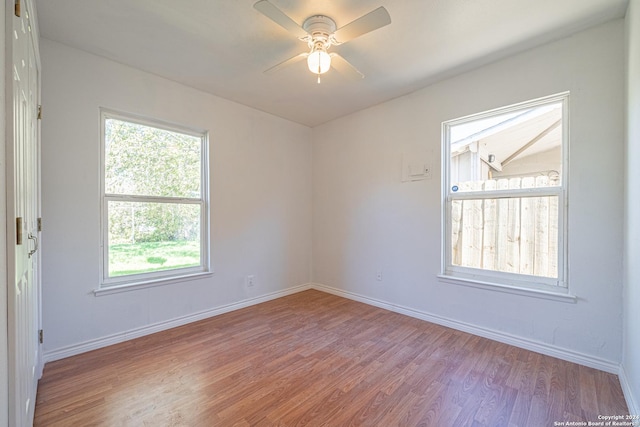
<point>39,112</point>
<point>19,230</point>
<point>41,336</point>
<point>16,8</point>
<point>39,224</point>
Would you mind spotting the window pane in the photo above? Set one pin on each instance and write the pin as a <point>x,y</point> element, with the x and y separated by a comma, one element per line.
<point>147,237</point>
<point>143,160</point>
<point>512,145</point>
<point>515,235</point>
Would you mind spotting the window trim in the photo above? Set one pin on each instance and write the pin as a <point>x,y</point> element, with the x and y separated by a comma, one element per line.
<point>109,285</point>
<point>508,282</point>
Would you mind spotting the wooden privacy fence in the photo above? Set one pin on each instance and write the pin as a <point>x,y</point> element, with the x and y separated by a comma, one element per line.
<point>513,234</point>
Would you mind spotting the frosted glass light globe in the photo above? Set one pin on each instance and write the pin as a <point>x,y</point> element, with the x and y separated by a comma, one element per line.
<point>319,62</point>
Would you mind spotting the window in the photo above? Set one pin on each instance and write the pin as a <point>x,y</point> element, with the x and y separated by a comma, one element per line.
<point>504,191</point>
<point>154,200</point>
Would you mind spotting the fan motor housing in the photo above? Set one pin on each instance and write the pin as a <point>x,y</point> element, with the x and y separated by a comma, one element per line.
<point>319,26</point>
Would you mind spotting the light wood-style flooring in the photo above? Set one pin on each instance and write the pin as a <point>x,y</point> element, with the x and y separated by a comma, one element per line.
<point>320,360</point>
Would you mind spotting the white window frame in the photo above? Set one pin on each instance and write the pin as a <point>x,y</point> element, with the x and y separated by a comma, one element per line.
<point>126,282</point>
<point>495,280</point>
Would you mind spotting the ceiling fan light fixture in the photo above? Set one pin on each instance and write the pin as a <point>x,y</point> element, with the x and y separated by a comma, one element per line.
<point>320,32</point>
<point>319,61</point>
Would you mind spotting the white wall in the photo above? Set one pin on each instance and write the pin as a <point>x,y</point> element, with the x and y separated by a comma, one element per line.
<point>260,199</point>
<point>366,220</point>
<point>631,338</point>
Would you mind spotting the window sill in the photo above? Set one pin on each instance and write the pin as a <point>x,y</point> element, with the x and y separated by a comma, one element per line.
<point>152,283</point>
<point>516,290</point>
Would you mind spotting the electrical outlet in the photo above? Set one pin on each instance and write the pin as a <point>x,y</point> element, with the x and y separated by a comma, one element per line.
<point>250,280</point>
<point>379,276</point>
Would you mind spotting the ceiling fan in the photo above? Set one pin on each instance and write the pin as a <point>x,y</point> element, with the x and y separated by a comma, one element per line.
<point>320,33</point>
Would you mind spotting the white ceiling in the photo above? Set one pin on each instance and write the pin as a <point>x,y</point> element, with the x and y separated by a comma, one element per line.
<point>223,46</point>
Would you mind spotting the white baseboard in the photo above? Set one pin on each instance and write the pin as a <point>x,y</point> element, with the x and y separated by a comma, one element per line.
<point>539,347</point>
<point>97,343</point>
<point>632,404</point>
<point>517,341</point>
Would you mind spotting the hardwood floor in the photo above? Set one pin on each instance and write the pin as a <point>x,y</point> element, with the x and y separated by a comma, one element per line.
<point>320,360</point>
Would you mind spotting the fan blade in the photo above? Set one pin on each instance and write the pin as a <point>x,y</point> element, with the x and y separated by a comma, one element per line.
<point>344,67</point>
<point>279,17</point>
<point>366,23</point>
<point>287,62</point>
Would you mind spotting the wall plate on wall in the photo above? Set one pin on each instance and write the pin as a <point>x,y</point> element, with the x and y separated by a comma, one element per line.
<point>417,167</point>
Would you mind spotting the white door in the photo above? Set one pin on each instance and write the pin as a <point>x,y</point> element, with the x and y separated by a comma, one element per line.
<point>23,301</point>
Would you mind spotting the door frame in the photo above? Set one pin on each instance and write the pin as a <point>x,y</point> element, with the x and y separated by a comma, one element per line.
<point>4,277</point>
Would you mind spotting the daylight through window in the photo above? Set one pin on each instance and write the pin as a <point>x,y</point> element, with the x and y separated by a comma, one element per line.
<point>154,200</point>
<point>504,195</point>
